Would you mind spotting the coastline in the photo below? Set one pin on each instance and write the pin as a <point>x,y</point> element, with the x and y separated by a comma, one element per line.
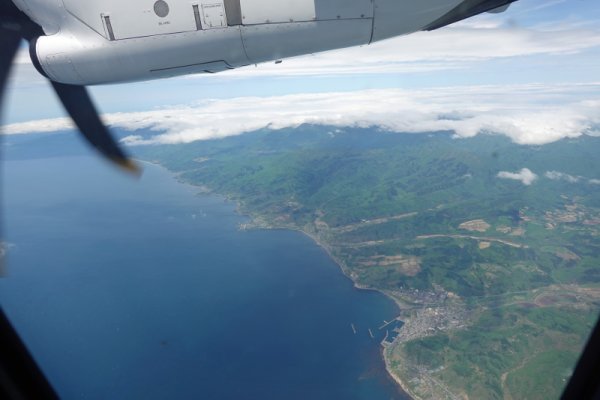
<point>401,384</point>
<point>264,225</point>
<point>343,268</point>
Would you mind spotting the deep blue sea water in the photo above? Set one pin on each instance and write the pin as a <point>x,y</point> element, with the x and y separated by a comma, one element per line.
<point>144,289</point>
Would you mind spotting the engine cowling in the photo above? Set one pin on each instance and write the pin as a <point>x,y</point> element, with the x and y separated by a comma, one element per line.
<point>115,41</point>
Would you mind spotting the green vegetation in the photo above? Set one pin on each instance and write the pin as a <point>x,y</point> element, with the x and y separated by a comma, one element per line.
<point>537,379</point>
<point>508,352</point>
<point>498,281</point>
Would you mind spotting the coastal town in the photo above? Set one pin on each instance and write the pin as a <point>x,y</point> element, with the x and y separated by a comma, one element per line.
<point>425,313</point>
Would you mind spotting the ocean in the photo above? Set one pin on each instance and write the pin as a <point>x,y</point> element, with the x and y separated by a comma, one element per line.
<point>147,289</point>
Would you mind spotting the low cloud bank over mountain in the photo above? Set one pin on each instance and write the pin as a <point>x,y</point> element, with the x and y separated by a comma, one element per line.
<point>527,114</point>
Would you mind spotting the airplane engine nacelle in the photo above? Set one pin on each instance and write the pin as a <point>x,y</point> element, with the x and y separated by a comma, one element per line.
<point>118,41</point>
<point>90,60</point>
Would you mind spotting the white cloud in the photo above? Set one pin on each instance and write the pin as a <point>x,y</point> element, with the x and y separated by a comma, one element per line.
<point>525,176</point>
<point>528,114</point>
<point>38,126</point>
<point>542,5</point>
<point>561,176</point>
<point>454,47</point>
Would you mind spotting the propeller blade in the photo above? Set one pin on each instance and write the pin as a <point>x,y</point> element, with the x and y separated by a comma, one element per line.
<point>9,44</point>
<point>15,25</point>
<point>80,107</point>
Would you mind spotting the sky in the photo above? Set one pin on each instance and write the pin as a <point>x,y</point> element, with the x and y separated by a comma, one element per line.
<point>530,73</point>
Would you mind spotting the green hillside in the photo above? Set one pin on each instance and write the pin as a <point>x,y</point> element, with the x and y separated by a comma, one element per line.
<point>498,281</point>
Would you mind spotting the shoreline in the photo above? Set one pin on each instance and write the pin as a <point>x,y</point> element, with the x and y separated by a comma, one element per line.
<point>204,190</point>
<point>342,267</point>
<point>397,380</point>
